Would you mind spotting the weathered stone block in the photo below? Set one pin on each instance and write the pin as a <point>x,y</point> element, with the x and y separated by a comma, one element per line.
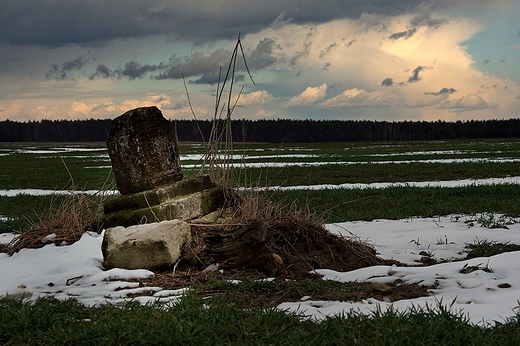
<point>143,149</point>
<point>152,246</point>
<point>184,200</point>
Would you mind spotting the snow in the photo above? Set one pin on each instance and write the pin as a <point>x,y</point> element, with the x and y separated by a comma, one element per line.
<point>476,294</point>
<point>73,271</point>
<point>382,162</point>
<point>43,192</point>
<point>445,183</point>
<point>76,271</point>
<point>441,183</point>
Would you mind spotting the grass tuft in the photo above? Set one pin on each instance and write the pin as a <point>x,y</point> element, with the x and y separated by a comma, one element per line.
<point>65,221</point>
<point>195,321</point>
<point>487,248</point>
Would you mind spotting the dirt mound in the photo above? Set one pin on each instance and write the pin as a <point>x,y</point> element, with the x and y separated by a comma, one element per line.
<point>273,242</point>
<point>290,249</point>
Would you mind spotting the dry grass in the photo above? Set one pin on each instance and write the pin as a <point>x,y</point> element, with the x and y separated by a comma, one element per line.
<point>256,234</point>
<point>64,223</point>
<point>259,234</point>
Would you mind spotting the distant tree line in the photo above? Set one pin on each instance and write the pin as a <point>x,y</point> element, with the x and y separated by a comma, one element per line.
<point>277,131</point>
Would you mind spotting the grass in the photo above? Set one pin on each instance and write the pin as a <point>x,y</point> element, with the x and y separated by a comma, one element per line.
<point>245,314</point>
<point>488,248</point>
<point>50,167</point>
<point>380,173</point>
<point>53,171</point>
<point>22,211</point>
<point>337,205</point>
<point>193,321</point>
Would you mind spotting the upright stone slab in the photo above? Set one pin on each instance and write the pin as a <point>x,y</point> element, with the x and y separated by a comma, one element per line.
<point>143,150</point>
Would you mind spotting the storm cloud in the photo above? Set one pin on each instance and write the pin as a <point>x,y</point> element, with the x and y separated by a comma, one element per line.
<point>64,70</point>
<point>203,66</point>
<point>92,23</point>
<point>443,91</point>
<point>415,74</point>
<point>387,82</point>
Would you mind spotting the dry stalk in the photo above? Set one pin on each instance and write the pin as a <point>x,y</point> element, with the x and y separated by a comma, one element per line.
<point>218,158</point>
<point>64,222</point>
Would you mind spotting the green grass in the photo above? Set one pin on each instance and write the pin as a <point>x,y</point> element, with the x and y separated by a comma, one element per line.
<point>338,205</point>
<point>24,210</point>
<point>48,166</point>
<point>378,173</point>
<point>194,321</point>
<point>488,248</point>
<point>233,318</point>
<point>29,171</point>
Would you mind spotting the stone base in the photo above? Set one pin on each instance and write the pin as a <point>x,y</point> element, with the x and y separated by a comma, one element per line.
<point>185,200</point>
<point>152,246</point>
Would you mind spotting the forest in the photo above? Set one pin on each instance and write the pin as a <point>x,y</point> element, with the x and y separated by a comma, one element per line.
<point>270,131</point>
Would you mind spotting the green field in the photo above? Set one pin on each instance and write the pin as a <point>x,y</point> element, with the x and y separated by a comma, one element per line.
<point>81,167</point>
<point>87,167</point>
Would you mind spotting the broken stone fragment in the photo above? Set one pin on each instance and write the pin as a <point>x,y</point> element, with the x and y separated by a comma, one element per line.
<point>185,200</point>
<point>152,246</point>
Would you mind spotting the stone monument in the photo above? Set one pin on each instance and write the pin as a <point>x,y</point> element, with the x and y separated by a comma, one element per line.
<point>145,160</point>
<point>143,149</point>
<point>155,201</point>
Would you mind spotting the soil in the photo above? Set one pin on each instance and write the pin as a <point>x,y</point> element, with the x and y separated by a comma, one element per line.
<point>260,241</point>
<point>281,290</point>
<point>285,249</point>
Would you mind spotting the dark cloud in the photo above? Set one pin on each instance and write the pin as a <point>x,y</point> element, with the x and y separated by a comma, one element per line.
<point>133,70</point>
<point>102,107</point>
<point>102,71</point>
<point>350,43</point>
<point>387,82</point>
<point>424,18</point>
<point>211,79</point>
<point>56,23</point>
<point>488,88</point>
<point>207,65</point>
<point>199,68</point>
<point>443,91</point>
<point>327,50</point>
<point>63,71</point>
<point>415,74</point>
<point>403,34</point>
<point>263,55</point>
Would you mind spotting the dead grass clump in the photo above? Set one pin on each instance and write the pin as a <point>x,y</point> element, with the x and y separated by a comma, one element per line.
<point>263,236</point>
<point>63,224</point>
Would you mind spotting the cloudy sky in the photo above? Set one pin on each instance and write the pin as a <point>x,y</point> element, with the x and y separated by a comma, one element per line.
<point>309,59</point>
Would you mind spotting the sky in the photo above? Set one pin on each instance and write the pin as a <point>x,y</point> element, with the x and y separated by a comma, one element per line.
<point>307,59</point>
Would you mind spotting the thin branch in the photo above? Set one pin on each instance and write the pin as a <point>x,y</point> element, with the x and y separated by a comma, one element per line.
<point>191,108</point>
